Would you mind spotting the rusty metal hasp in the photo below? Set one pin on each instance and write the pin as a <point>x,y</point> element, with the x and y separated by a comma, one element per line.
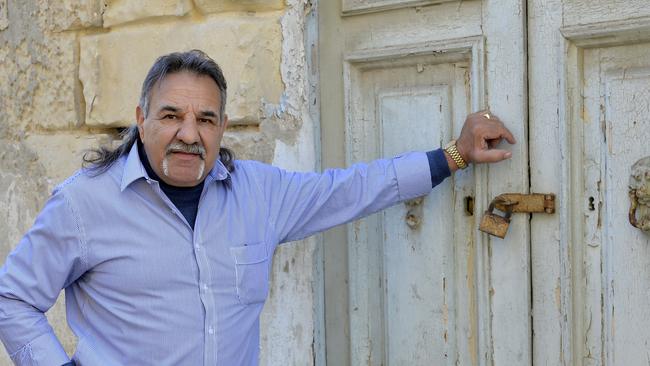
<point>510,203</point>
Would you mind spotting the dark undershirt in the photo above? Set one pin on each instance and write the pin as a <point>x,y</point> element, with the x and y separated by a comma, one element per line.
<point>186,199</point>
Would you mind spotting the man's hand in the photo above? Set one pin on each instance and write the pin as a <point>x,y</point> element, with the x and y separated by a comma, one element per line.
<point>481,133</point>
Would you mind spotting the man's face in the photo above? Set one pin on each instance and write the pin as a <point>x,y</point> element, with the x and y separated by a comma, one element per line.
<point>183,130</point>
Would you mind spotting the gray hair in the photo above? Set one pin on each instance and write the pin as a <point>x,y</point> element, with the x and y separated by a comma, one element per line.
<point>195,61</point>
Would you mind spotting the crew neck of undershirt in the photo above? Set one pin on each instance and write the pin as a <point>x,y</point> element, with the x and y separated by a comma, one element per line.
<point>186,199</point>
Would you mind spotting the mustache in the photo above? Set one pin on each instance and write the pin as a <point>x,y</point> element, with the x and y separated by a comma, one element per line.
<point>185,148</point>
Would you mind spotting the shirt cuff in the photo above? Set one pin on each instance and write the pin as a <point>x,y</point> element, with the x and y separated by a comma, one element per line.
<point>44,350</point>
<point>413,175</point>
<point>438,166</point>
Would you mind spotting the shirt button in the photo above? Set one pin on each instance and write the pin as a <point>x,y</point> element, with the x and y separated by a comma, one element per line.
<point>211,330</point>
<point>205,287</point>
<point>197,247</point>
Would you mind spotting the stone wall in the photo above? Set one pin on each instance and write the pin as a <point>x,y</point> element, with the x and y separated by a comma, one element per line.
<point>70,75</point>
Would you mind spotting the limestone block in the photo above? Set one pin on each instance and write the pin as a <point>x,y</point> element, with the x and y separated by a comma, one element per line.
<point>249,145</point>
<point>4,19</point>
<point>38,83</point>
<point>61,155</point>
<point>23,190</point>
<point>219,6</point>
<point>122,11</point>
<point>247,47</point>
<point>69,14</point>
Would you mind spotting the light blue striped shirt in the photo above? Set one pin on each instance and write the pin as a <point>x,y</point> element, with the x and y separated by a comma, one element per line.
<point>143,288</point>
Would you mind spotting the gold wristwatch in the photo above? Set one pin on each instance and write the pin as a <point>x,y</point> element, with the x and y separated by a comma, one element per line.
<point>455,155</point>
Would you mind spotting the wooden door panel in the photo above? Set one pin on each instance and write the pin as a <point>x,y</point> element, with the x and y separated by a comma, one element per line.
<point>598,11</point>
<point>616,126</point>
<point>416,269</point>
<point>589,91</point>
<point>399,76</point>
<point>399,104</point>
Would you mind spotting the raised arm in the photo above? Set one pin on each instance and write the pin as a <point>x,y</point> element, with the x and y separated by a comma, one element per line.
<point>302,204</point>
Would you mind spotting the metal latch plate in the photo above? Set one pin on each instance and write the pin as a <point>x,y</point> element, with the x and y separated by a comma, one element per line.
<point>528,203</point>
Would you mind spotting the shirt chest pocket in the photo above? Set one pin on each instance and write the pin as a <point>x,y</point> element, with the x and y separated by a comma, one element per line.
<point>252,272</point>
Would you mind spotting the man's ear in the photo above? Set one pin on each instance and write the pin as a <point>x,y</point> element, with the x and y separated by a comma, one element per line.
<point>139,117</point>
<point>225,121</point>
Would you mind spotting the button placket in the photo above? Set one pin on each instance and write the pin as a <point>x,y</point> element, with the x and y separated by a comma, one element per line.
<point>203,284</point>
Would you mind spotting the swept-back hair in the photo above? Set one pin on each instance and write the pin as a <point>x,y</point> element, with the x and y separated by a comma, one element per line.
<point>195,61</point>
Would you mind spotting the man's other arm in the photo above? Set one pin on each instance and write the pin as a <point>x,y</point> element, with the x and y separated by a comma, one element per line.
<point>302,204</point>
<point>47,259</point>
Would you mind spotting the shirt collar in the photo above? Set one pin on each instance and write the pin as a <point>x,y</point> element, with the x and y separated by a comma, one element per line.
<point>133,170</point>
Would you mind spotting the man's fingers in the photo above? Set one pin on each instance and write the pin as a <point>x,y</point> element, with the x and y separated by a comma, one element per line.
<point>498,133</point>
<point>492,156</point>
<point>508,136</point>
<point>481,134</point>
<point>496,126</point>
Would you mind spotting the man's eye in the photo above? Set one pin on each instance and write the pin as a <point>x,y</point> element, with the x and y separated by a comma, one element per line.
<point>205,120</point>
<point>169,116</point>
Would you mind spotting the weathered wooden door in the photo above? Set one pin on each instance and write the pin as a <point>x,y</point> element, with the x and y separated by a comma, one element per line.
<point>418,284</point>
<point>566,289</point>
<point>589,67</point>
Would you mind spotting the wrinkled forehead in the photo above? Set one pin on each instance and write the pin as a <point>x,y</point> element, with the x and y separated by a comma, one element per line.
<point>186,82</point>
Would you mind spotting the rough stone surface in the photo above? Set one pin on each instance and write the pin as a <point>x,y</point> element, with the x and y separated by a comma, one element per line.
<point>69,14</point>
<point>49,72</point>
<point>61,155</point>
<point>23,190</point>
<point>38,86</point>
<point>246,47</point>
<point>288,325</point>
<point>4,18</point>
<point>218,6</point>
<point>248,144</point>
<point>123,11</point>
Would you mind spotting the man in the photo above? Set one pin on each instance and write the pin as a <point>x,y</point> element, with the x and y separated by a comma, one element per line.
<point>164,245</point>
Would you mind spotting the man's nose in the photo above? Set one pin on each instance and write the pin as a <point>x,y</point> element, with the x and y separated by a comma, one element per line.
<point>188,131</point>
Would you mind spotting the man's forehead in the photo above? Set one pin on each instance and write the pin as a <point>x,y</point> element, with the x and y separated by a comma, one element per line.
<point>184,84</point>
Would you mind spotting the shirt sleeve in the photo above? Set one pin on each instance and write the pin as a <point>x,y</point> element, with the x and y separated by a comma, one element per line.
<point>438,166</point>
<point>47,259</point>
<point>302,204</point>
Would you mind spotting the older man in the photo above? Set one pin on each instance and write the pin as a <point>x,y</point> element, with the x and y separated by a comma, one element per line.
<point>164,245</point>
